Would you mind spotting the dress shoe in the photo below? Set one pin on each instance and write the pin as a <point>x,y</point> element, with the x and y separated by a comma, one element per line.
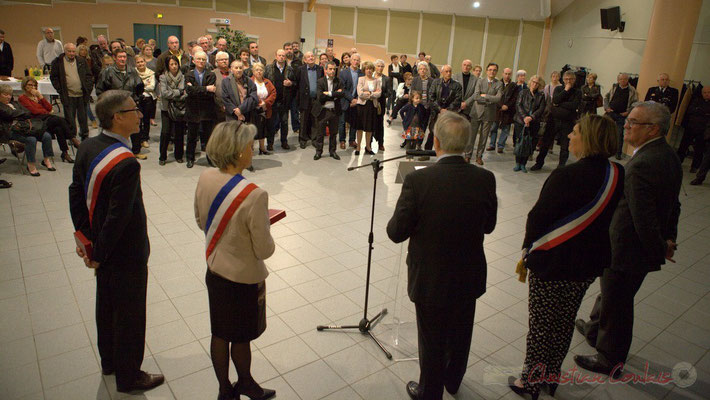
<point>413,390</point>
<point>479,161</point>
<point>302,145</point>
<point>596,363</point>
<point>2,160</point>
<point>49,167</point>
<point>581,326</point>
<point>161,162</point>
<point>389,122</point>
<point>5,184</point>
<point>317,156</point>
<point>264,152</point>
<point>451,388</point>
<point>250,168</point>
<point>618,156</point>
<point>500,151</point>
<point>490,148</point>
<point>285,146</point>
<point>240,390</point>
<point>335,156</point>
<point>404,143</point>
<point>693,170</point>
<point>141,156</point>
<point>520,391</point>
<point>36,173</point>
<point>145,144</point>
<point>536,167</point>
<point>353,144</point>
<point>342,145</point>
<point>67,158</point>
<point>523,168</point>
<point>144,382</point>
<point>369,151</point>
<point>696,182</point>
<point>190,163</point>
<point>516,168</point>
<point>180,160</point>
<point>270,147</point>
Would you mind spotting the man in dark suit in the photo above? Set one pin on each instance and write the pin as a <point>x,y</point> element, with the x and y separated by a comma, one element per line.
<point>326,110</point>
<point>663,93</point>
<point>488,93</point>
<point>349,77</point>
<point>119,234</point>
<point>467,80</point>
<point>446,261</point>
<point>308,76</point>
<point>71,77</point>
<point>201,110</point>
<point>643,233</point>
<point>444,94</point>
<point>7,61</point>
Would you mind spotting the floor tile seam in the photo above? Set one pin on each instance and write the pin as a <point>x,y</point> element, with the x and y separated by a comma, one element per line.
<point>310,363</point>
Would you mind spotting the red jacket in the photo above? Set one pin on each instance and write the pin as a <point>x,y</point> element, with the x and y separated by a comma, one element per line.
<point>41,108</point>
<point>270,98</point>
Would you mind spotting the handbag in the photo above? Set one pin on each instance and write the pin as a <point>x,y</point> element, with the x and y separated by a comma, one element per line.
<point>600,101</point>
<point>28,127</point>
<point>524,147</point>
<point>177,109</point>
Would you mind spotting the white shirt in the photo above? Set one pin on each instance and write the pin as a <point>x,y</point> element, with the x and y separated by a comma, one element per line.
<point>261,91</point>
<point>329,104</point>
<point>47,52</point>
<point>118,137</point>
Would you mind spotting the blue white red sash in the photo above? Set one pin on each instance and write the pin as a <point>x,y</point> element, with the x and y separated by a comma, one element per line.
<point>100,166</point>
<point>229,198</point>
<point>571,225</point>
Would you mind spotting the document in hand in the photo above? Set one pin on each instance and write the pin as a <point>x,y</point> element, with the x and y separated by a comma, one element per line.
<point>276,215</point>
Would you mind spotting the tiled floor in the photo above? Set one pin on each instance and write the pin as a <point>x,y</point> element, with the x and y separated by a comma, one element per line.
<point>47,328</point>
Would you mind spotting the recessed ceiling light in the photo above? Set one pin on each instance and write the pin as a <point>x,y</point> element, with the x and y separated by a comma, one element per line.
<point>476,4</point>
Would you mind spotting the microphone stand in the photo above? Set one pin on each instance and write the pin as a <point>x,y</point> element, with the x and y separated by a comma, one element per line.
<point>366,324</point>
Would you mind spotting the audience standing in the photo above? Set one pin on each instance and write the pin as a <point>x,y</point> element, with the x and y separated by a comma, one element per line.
<point>173,50</point>
<point>7,61</point>
<point>444,95</point>
<point>266,96</point>
<point>326,110</point>
<point>147,101</point>
<point>348,120</point>
<point>618,103</point>
<point>696,124</point>
<point>281,75</point>
<point>369,90</point>
<point>172,111</point>
<point>504,112</point>
<point>201,107</point>
<point>71,77</point>
<point>591,95</point>
<point>48,49</point>
<point>379,134</point>
<point>254,56</point>
<point>663,93</point>
<point>221,60</point>
<point>489,92</point>
<point>467,80</point>
<point>529,113</point>
<point>307,89</point>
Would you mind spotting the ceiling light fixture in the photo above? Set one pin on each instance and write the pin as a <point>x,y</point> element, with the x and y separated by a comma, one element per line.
<point>476,4</point>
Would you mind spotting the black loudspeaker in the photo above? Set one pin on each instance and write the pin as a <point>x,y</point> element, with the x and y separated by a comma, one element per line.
<point>611,18</point>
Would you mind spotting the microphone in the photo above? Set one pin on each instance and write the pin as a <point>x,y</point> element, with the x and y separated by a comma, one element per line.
<point>420,153</point>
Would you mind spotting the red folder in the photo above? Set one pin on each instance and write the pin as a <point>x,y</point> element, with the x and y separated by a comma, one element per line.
<point>84,244</point>
<point>276,215</point>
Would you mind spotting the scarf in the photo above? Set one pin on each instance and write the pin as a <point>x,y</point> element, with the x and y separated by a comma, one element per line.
<point>174,81</point>
<point>145,74</point>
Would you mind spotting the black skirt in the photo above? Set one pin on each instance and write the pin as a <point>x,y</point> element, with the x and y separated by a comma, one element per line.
<point>366,117</point>
<point>259,120</point>
<point>237,310</point>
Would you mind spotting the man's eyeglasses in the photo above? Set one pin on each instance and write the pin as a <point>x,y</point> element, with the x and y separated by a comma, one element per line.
<point>633,122</point>
<point>130,110</point>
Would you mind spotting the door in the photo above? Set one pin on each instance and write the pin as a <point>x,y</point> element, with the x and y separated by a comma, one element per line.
<point>158,32</point>
<point>145,31</point>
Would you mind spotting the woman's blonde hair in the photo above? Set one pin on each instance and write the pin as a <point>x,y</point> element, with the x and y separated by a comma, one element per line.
<point>598,134</point>
<point>228,141</point>
<point>256,66</point>
<point>540,82</point>
<point>368,65</point>
<point>27,80</point>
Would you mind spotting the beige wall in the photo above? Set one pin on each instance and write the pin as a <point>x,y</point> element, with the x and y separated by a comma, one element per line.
<point>699,62</point>
<point>22,24</point>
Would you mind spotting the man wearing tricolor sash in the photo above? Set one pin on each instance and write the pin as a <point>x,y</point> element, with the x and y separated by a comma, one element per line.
<point>106,204</point>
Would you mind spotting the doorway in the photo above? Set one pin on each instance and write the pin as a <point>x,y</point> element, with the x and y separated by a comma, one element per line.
<point>159,33</point>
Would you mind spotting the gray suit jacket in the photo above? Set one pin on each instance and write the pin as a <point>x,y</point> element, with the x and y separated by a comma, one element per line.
<point>484,108</point>
<point>648,213</point>
<point>470,89</point>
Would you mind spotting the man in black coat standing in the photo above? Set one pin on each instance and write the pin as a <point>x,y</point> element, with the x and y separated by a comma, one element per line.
<point>71,77</point>
<point>308,76</point>
<point>444,94</point>
<point>115,223</point>
<point>7,61</point>
<point>201,112</point>
<point>643,233</point>
<point>663,93</point>
<point>326,110</point>
<point>445,210</point>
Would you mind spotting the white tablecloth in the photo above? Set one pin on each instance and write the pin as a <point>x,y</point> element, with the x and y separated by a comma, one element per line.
<point>44,85</point>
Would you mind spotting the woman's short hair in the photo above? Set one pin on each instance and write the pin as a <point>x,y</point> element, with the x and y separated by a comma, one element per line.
<point>167,62</point>
<point>394,57</point>
<point>228,141</point>
<point>108,104</point>
<point>425,65</point>
<point>27,80</point>
<point>599,135</point>
<point>242,51</point>
<point>380,62</point>
<point>592,75</point>
<point>256,66</point>
<point>82,47</point>
<point>478,66</point>
<point>5,88</point>
<point>368,65</point>
<point>539,81</point>
<point>407,75</point>
<point>555,73</point>
<point>139,56</point>
<point>452,130</point>
<point>344,54</point>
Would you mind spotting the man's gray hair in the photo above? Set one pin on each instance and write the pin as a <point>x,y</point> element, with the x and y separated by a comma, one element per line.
<point>657,113</point>
<point>221,54</point>
<point>452,130</point>
<point>5,88</point>
<point>228,141</point>
<point>521,72</point>
<point>108,104</point>
<point>379,62</point>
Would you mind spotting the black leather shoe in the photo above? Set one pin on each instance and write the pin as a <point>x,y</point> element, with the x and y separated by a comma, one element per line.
<point>451,388</point>
<point>696,182</point>
<point>190,163</point>
<point>413,390</point>
<point>520,391</point>
<point>161,162</point>
<point>285,146</point>
<point>270,147</point>
<point>581,326</point>
<point>536,167</point>
<point>180,161</point>
<point>595,363</point>
<point>317,156</point>
<point>302,145</point>
<point>239,390</point>
<point>144,382</point>
<point>335,156</point>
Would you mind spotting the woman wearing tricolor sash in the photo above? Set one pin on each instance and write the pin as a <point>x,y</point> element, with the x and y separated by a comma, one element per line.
<point>233,213</point>
<point>567,246</point>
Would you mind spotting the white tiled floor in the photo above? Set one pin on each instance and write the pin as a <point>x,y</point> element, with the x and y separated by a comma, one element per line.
<point>47,328</point>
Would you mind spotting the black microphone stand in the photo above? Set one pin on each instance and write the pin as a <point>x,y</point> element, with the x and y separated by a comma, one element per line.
<point>366,324</point>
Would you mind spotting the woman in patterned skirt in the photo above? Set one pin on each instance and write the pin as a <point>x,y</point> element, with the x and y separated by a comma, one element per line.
<point>563,265</point>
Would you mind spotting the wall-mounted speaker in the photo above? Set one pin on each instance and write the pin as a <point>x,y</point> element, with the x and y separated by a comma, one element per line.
<point>611,19</point>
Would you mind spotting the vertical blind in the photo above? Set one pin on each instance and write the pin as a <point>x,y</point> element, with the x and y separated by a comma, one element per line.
<point>371,26</point>
<point>235,6</point>
<point>404,28</point>
<point>468,40</point>
<point>531,41</point>
<point>501,42</point>
<point>342,21</point>
<point>436,35</point>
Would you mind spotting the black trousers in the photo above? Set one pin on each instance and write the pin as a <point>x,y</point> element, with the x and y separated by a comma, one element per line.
<point>60,128</point>
<point>120,318</point>
<point>174,130</point>
<point>203,130</point>
<point>692,137</point>
<point>74,109</point>
<point>555,129</point>
<point>429,143</point>
<point>379,134</point>
<point>444,335</point>
<point>308,123</point>
<point>611,321</point>
<point>147,107</point>
<point>278,122</point>
<point>327,118</point>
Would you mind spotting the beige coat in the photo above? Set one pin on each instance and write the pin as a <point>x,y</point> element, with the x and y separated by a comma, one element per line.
<point>363,97</point>
<point>246,242</point>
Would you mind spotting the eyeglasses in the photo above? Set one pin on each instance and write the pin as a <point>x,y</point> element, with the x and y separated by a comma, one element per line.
<point>131,110</point>
<point>633,122</point>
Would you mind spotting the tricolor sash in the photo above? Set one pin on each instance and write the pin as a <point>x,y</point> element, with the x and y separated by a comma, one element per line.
<point>99,168</point>
<point>571,225</point>
<point>229,198</point>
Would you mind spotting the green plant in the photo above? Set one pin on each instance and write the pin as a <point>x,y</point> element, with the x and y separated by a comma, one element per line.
<point>236,39</point>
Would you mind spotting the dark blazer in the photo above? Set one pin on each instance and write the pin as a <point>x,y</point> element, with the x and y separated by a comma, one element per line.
<point>304,96</point>
<point>669,97</point>
<point>213,62</point>
<point>510,96</point>
<point>648,214</point>
<point>162,67</point>
<point>566,103</point>
<point>529,105</point>
<point>111,78</point>
<point>231,99</point>
<point>349,86</point>
<point>7,61</point>
<point>586,255</point>
<point>119,232</point>
<point>58,78</point>
<point>446,258</point>
<point>337,94</point>
<point>200,102</point>
<point>452,102</point>
<point>406,67</point>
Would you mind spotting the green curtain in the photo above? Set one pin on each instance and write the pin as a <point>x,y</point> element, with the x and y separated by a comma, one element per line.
<point>233,6</point>
<point>501,43</point>
<point>371,26</point>
<point>404,29</point>
<point>468,40</point>
<point>196,3</point>
<point>436,35</point>
<point>342,21</point>
<point>529,55</point>
<point>267,9</point>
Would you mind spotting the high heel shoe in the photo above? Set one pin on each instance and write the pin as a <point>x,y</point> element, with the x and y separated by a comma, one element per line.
<point>266,393</point>
<point>264,152</point>
<point>67,158</point>
<point>369,151</point>
<point>48,168</point>
<point>32,173</point>
<point>520,391</point>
